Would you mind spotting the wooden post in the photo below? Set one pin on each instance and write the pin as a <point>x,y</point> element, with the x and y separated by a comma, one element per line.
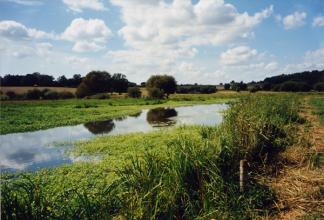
<point>243,174</point>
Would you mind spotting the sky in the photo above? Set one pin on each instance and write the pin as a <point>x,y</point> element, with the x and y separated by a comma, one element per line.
<point>196,41</point>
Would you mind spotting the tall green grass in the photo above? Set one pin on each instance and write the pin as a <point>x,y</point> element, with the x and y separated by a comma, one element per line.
<point>189,172</point>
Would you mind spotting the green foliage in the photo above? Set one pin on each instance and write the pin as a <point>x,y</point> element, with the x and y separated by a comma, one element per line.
<point>319,87</point>
<point>227,86</point>
<point>158,84</point>
<point>66,95</point>
<point>119,83</point>
<point>254,89</point>
<point>94,82</point>
<point>34,94</point>
<point>99,96</point>
<point>266,86</point>
<point>276,88</point>
<point>134,92</point>
<point>304,87</point>
<point>239,86</point>
<point>289,87</point>
<point>51,95</point>
<point>11,94</point>
<point>196,89</point>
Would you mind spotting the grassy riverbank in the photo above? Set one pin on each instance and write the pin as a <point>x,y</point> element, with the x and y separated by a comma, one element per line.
<point>28,116</point>
<point>186,172</point>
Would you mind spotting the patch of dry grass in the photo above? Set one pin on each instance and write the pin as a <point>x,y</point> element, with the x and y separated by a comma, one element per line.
<point>24,89</point>
<point>300,183</point>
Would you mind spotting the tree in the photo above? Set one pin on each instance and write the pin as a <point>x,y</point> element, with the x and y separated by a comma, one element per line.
<point>62,80</point>
<point>94,82</point>
<point>266,86</point>
<point>227,86</point>
<point>134,92</point>
<point>159,85</point>
<point>119,83</point>
<point>77,79</point>
<point>29,80</point>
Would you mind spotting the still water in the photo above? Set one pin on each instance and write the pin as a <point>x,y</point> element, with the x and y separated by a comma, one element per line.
<point>24,151</point>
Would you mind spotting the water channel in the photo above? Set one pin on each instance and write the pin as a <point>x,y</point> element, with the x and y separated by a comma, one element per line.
<point>26,151</point>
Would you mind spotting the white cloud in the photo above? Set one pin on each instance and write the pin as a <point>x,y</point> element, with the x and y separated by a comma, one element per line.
<point>42,49</point>
<point>87,30</point>
<point>83,46</point>
<point>26,2</point>
<point>278,18</point>
<point>312,60</point>
<point>271,66</point>
<point>237,55</point>
<point>74,60</point>
<point>77,5</point>
<point>294,20</point>
<point>181,25</point>
<point>14,31</point>
<point>318,21</point>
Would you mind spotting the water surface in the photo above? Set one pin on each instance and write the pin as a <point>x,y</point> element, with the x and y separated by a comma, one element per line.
<point>23,151</point>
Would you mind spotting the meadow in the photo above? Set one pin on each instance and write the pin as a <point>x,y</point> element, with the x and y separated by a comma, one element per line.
<point>186,172</point>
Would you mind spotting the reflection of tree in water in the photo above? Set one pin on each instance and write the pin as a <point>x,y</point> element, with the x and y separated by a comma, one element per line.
<point>159,117</point>
<point>121,118</point>
<point>136,115</point>
<point>99,127</point>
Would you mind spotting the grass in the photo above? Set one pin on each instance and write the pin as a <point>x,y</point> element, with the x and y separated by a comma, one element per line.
<point>28,116</point>
<point>187,172</point>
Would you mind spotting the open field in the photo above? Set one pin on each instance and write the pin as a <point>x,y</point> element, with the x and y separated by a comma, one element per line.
<point>185,172</point>
<point>22,89</point>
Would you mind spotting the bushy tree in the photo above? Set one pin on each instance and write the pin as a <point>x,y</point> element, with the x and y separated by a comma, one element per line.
<point>134,92</point>
<point>227,86</point>
<point>289,87</point>
<point>119,83</point>
<point>29,80</point>
<point>158,85</point>
<point>239,86</point>
<point>34,94</point>
<point>94,82</point>
<point>11,94</point>
<point>266,86</point>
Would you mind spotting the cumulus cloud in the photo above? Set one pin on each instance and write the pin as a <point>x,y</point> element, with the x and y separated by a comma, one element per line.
<point>84,46</point>
<point>318,21</point>
<point>42,49</point>
<point>294,20</point>
<point>180,24</point>
<point>14,31</point>
<point>237,55</point>
<point>78,5</point>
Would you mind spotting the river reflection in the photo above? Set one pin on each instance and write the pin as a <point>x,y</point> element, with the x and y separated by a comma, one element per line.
<point>23,151</point>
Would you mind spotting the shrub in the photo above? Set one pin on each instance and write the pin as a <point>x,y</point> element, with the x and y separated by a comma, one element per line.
<point>11,94</point>
<point>134,92</point>
<point>319,87</point>
<point>43,93</point>
<point>254,89</point>
<point>51,94</point>
<point>33,94</point>
<point>82,91</point>
<point>66,95</point>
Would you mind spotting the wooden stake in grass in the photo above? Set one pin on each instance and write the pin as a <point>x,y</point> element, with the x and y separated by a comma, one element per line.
<point>243,174</point>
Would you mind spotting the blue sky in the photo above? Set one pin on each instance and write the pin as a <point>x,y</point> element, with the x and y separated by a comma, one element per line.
<point>198,41</point>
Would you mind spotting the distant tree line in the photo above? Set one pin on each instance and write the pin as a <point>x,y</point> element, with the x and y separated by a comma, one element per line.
<point>297,82</point>
<point>193,89</point>
<point>40,80</point>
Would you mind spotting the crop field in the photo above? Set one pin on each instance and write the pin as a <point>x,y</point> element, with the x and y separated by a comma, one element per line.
<point>24,89</point>
<point>185,172</point>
